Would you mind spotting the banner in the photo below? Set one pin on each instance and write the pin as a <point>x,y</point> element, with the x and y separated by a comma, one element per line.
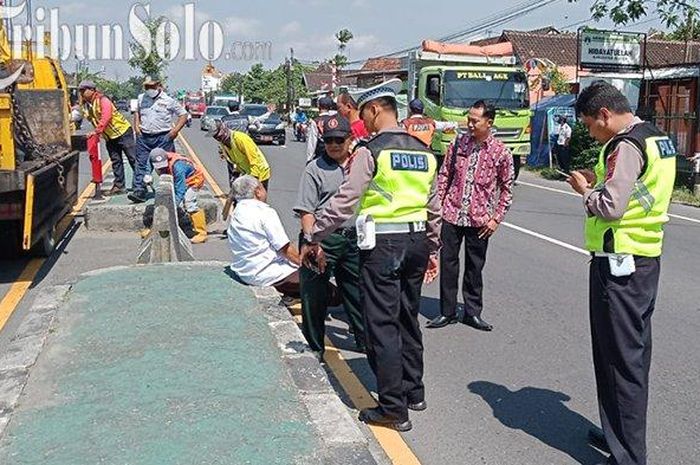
<point>610,50</point>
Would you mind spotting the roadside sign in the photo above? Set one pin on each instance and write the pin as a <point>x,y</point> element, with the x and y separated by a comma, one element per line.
<point>304,102</point>
<point>611,50</point>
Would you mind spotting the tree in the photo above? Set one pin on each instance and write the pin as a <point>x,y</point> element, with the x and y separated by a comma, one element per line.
<point>621,12</point>
<point>558,82</point>
<point>687,30</point>
<point>343,37</point>
<point>149,62</point>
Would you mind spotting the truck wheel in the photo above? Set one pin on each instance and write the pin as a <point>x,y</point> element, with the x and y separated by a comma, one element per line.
<point>45,246</point>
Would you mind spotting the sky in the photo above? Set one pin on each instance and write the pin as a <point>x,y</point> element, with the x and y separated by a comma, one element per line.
<point>307,26</point>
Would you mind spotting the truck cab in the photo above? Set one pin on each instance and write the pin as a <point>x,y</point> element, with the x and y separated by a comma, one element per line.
<point>450,83</point>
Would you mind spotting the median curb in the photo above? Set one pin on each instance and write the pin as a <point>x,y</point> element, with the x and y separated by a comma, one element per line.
<point>343,440</point>
<point>25,347</point>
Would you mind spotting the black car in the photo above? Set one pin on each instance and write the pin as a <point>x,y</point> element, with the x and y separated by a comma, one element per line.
<point>271,129</point>
<point>122,105</point>
<point>253,110</point>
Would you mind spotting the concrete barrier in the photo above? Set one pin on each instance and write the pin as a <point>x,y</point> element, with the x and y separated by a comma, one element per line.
<point>166,241</point>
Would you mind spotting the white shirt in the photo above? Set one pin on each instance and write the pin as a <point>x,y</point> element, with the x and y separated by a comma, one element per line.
<point>312,136</point>
<point>255,234</point>
<point>156,114</point>
<point>564,134</point>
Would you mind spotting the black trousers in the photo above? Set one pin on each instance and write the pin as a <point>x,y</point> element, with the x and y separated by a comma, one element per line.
<point>563,153</point>
<point>391,277</point>
<point>343,262</point>
<point>124,144</point>
<point>474,260</point>
<point>620,313</point>
<point>516,166</point>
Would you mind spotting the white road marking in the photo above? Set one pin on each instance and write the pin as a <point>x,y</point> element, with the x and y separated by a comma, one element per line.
<point>546,238</point>
<point>552,189</point>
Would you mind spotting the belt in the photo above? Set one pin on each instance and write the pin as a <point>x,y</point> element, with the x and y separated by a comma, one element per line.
<point>399,228</point>
<point>154,134</point>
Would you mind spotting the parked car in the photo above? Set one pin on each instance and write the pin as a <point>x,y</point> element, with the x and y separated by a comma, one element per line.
<point>271,129</point>
<point>211,116</point>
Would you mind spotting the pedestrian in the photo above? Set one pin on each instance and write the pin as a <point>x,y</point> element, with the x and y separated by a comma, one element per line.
<point>320,181</point>
<point>626,201</point>
<point>263,255</point>
<point>563,150</point>
<point>475,186</point>
<point>391,184</point>
<point>314,139</point>
<point>153,123</point>
<point>347,107</point>
<point>188,179</point>
<point>111,125</point>
<point>423,127</point>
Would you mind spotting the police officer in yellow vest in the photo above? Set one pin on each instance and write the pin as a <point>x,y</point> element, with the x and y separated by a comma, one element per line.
<point>116,130</point>
<point>626,200</point>
<point>391,184</point>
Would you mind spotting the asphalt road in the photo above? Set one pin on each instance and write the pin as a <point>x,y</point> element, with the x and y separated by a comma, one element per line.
<point>525,394</point>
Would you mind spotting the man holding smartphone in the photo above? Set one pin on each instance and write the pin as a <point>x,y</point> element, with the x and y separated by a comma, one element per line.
<point>626,201</point>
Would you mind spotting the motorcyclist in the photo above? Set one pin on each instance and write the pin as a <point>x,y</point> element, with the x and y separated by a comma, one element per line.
<point>300,119</point>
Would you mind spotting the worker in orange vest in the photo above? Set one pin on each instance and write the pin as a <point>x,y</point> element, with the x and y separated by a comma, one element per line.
<point>188,178</point>
<point>423,127</point>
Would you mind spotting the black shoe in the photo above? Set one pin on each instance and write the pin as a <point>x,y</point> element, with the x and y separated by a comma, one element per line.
<point>418,406</point>
<point>441,322</point>
<point>137,197</point>
<point>374,416</point>
<point>476,323</point>
<point>596,438</point>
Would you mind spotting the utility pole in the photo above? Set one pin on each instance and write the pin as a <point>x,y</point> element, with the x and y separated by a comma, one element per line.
<point>288,71</point>
<point>291,77</point>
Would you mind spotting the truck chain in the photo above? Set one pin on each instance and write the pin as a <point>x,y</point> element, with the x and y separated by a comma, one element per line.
<point>23,135</point>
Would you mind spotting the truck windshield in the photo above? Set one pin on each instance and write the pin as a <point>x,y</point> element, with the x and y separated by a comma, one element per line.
<point>502,89</point>
<point>195,100</point>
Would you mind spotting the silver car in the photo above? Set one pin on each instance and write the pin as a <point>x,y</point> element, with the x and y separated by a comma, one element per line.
<point>211,116</point>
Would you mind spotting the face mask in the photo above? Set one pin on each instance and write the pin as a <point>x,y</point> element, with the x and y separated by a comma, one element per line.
<point>153,93</point>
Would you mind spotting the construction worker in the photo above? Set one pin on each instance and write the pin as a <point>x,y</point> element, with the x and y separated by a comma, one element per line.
<point>110,124</point>
<point>314,139</point>
<point>392,188</point>
<point>626,202</point>
<point>188,178</point>
<point>421,126</point>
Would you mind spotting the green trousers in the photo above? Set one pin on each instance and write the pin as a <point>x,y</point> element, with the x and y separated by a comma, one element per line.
<point>343,262</point>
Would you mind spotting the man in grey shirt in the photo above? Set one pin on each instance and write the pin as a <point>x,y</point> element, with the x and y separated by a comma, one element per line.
<point>320,181</point>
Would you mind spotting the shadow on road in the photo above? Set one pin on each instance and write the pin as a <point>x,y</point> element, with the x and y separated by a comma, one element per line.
<point>542,414</point>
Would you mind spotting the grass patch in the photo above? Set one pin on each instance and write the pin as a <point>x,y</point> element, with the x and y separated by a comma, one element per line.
<point>685,196</point>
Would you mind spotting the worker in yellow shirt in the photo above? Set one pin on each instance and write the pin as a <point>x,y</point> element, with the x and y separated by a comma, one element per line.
<point>242,155</point>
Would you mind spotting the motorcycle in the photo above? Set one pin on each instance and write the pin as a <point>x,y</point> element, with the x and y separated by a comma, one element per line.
<point>300,130</point>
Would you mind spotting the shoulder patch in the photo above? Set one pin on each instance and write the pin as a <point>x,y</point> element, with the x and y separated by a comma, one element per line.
<point>403,161</point>
<point>666,148</point>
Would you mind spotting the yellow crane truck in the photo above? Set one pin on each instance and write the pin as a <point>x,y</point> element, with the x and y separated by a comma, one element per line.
<point>38,166</point>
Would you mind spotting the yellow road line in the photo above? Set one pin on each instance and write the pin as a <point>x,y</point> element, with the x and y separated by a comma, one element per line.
<point>19,288</point>
<point>390,440</point>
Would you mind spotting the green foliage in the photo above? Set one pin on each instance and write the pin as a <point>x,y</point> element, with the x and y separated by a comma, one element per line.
<point>621,12</point>
<point>260,85</point>
<point>584,149</point>
<point>149,62</point>
<point>343,37</point>
<point>551,174</point>
<point>119,90</point>
<point>558,82</point>
<point>689,29</point>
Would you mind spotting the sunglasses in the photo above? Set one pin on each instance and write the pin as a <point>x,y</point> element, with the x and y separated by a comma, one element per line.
<point>334,140</point>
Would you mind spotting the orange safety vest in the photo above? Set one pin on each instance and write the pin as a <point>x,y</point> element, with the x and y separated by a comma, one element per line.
<point>196,180</point>
<point>421,127</point>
